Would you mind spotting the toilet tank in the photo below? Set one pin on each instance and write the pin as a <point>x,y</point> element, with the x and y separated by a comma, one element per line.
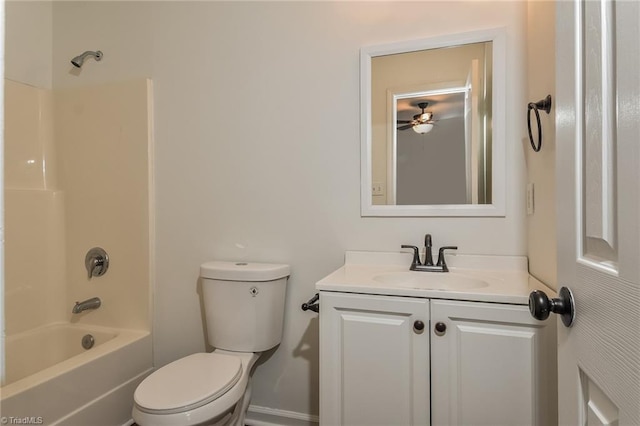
<point>244,304</point>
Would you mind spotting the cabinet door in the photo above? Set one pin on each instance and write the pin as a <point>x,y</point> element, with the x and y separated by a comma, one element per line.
<point>494,365</point>
<point>374,363</point>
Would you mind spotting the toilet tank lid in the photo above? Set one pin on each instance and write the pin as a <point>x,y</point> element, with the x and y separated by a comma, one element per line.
<point>243,271</point>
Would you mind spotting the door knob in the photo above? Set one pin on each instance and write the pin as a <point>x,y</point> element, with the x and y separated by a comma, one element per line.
<point>541,306</point>
<point>418,327</point>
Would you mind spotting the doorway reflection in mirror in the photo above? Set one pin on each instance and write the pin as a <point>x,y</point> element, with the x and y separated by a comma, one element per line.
<point>446,91</point>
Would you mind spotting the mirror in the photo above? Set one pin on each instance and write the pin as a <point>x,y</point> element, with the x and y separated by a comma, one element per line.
<point>433,126</point>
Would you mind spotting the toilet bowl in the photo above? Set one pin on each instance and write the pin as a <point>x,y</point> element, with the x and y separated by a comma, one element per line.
<point>244,310</point>
<point>202,388</point>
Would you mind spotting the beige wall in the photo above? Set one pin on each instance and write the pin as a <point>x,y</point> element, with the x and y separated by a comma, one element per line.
<point>541,165</point>
<point>76,176</point>
<point>102,134</point>
<point>34,212</point>
<point>257,145</point>
<point>34,207</point>
<point>29,155</point>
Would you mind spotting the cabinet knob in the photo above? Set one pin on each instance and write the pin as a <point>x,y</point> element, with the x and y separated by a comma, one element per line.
<point>440,328</point>
<point>418,327</point>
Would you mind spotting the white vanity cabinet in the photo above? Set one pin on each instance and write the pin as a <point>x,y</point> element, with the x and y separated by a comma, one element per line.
<point>491,363</point>
<point>374,360</point>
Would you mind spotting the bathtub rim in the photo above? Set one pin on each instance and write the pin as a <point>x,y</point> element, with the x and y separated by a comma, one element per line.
<point>122,338</point>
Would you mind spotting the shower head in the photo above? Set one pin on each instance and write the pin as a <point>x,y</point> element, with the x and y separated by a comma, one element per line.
<point>79,60</point>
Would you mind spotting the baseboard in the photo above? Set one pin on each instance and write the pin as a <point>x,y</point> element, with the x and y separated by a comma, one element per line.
<point>263,416</point>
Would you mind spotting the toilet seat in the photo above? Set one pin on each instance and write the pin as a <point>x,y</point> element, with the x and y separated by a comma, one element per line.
<point>188,383</point>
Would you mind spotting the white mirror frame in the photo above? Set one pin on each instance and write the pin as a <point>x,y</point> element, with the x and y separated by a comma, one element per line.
<point>498,176</point>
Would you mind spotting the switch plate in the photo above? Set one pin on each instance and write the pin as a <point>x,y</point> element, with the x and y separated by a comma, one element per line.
<point>530,199</point>
<point>377,189</point>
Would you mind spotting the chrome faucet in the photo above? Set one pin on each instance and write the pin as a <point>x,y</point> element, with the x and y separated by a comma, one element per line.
<point>428,266</point>
<point>93,303</point>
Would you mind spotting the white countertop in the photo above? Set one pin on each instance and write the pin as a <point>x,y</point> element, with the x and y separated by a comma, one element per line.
<point>507,277</point>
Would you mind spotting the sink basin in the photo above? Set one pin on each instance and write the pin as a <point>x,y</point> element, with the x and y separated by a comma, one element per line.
<point>431,280</point>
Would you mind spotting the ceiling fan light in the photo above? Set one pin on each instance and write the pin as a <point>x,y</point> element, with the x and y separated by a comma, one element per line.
<point>425,116</point>
<point>423,128</point>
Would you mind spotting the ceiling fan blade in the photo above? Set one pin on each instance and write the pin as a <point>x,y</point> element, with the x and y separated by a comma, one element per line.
<point>404,121</point>
<point>405,127</point>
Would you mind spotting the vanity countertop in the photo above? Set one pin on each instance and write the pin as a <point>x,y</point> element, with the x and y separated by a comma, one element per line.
<point>502,279</point>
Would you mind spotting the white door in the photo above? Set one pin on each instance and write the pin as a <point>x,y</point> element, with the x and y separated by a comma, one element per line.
<point>598,196</point>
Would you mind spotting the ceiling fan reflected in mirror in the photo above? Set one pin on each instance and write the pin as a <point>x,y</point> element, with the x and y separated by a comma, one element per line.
<point>422,123</point>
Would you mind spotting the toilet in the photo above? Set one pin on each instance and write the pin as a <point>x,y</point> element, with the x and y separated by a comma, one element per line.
<point>244,310</point>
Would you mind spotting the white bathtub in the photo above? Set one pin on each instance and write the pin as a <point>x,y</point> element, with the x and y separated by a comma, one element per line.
<point>50,376</point>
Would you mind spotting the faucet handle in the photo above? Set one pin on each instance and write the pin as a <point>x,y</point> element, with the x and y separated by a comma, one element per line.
<point>416,255</point>
<point>95,265</point>
<point>441,261</point>
<point>96,262</point>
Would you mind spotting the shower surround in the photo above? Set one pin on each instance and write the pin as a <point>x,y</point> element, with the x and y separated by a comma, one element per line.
<point>77,175</point>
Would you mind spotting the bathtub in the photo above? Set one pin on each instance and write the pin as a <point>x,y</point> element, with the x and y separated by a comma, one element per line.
<point>52,380</point>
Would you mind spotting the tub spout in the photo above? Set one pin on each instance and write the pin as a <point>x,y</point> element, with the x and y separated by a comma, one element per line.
<point>93,303</point>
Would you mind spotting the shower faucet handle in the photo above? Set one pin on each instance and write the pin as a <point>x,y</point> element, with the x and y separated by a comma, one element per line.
<point>97,262</point>
<point>95,266</point>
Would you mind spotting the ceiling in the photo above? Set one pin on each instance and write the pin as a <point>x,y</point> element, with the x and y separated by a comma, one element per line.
<point>443,107</point>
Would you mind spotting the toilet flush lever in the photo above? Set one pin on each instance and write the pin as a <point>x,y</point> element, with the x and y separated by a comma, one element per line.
<point>312,304</point>
<point>97,262</point>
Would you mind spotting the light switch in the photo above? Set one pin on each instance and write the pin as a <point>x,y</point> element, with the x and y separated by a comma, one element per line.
<point>378,189</point>
<point>530,199</point>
